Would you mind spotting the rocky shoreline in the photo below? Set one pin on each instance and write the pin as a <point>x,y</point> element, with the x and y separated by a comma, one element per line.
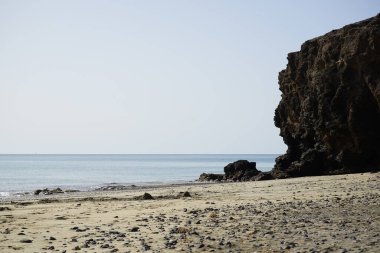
<point>329,116</point>
<point>309,214</point>
<point>61,194</point>
<point>238,171</point>
<point>329,113</point>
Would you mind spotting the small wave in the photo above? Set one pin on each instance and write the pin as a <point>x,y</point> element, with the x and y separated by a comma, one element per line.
<point>5,194</point>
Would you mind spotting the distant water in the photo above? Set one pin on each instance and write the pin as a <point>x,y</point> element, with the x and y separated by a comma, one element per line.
<point>25,173</point>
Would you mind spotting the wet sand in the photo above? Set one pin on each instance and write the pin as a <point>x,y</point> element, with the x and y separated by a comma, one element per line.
<point>311,214</point>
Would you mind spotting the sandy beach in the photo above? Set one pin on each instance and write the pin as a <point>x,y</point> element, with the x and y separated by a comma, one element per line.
<point>311,214</point>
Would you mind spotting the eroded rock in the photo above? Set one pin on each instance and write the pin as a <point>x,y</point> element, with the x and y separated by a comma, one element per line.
<point>211,177</point>
<point>241,170</point>
<point>329,114</point>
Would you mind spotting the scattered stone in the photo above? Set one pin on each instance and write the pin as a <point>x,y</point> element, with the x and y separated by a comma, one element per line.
<point>46,191</point>
<point>135,229</point>
<point>145,247</point>
<point>179,230</point>
<point>105,246</point>
<point>26,241</point>
<point>90,242</point>
<point>147,196</point>
<point>171,244</point>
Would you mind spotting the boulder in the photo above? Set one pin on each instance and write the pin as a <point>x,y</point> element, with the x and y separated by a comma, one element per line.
<point>329,113</point>
<point>204,177</point>
<point>37,192</point>
<point>147,196</point>
<point>241,170</point>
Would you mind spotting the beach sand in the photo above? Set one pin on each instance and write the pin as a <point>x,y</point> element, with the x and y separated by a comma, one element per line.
<point>310,214</point>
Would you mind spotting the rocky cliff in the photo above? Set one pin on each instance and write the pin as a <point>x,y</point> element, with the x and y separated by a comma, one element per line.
<point>329,114</point>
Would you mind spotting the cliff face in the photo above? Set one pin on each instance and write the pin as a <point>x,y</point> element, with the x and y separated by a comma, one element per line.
<point>329,114</point>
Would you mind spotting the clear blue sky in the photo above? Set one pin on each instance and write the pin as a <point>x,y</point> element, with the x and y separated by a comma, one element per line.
<point>152,76</point>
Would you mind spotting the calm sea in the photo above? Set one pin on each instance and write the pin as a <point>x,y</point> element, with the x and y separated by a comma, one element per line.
<point>25,173</point>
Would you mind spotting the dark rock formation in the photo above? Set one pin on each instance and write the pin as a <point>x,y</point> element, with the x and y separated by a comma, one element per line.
<point>263,176</point>
<point>211,177</point>
<point>241,170</point>
<point>329,114</point>
<point>37,192</point>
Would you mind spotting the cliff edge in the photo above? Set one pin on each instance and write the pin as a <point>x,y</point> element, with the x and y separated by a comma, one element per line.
<point>329,113</point>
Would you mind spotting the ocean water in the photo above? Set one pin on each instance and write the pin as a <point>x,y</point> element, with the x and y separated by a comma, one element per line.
<point>26,173</point>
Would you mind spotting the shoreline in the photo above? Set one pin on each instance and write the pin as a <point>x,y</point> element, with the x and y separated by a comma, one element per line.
<point>337,213</point>
<point>120,188</point>
<point>89,188</point>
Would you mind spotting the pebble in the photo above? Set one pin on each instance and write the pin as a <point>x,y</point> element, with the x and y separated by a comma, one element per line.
<point>105,246</point>
<point>26,241</point>
<point>135,229</point>
<point>145,247</point>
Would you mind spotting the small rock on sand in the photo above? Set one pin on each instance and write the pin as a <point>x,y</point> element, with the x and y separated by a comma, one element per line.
<point>135,229</point>
<point>26,241</point>
<point>147,196</point>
